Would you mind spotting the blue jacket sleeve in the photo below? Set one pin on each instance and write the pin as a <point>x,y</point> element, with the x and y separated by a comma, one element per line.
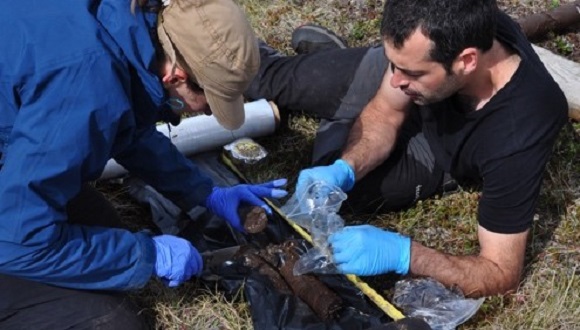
<point>67,124</point>
<point>155,159</point>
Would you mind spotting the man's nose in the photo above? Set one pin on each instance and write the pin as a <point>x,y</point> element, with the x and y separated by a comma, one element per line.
<point>398,80</point>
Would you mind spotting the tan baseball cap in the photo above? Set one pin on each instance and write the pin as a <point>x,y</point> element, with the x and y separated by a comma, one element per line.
<point>214,43</point>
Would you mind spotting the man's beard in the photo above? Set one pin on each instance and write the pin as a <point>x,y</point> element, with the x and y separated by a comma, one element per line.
<point>449,87</point>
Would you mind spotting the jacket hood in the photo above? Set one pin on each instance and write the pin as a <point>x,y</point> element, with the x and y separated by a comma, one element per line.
<point>133,33</point>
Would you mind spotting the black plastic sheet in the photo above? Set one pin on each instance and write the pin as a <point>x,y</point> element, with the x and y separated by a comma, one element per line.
<point>271,309</point>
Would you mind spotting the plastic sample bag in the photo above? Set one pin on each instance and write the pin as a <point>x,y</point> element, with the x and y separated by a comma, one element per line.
<point>316,211</point>
<point>270,308</point>
<point>427,299</point>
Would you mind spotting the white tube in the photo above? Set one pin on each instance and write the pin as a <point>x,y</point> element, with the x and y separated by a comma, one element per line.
<point>202,133</point>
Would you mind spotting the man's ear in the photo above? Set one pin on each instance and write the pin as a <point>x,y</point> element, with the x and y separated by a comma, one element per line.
<point>176,77</point>
<point>468,60</point>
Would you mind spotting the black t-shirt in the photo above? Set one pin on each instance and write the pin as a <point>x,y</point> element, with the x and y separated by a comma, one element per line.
<point>505,145</point>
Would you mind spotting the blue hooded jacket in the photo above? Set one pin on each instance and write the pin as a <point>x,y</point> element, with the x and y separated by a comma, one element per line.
<point>78,87</point>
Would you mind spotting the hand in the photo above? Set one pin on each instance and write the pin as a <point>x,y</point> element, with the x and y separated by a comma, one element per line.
<point>339,174</point>
<point>368,250</point>
<point>225,202</point>
<point>177,260</point>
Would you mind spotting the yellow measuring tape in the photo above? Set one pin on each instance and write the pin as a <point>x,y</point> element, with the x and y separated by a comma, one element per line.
<point>371,293</point>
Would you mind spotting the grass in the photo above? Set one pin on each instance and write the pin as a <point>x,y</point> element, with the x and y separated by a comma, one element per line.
<point>549,295</point>
<point>194,307</point>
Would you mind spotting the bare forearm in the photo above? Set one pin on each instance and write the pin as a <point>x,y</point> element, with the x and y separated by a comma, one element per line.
<point>373,135</point>
<point>371,141</point>
<point>476,276</point>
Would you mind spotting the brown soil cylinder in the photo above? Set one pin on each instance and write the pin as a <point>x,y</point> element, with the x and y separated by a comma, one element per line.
<point>536,26</point>
<point>281,259</point>
<point>323,301</point>
<point>254,218</point>
<point>255,261</point>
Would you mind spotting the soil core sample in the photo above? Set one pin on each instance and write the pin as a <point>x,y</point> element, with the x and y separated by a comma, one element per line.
<point>276,262</point>
<point>254,218</point>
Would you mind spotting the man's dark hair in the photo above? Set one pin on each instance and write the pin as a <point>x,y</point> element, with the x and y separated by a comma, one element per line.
<point>452,25</point>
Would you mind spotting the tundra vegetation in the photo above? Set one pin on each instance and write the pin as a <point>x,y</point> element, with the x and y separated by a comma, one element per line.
<point>549,293</point>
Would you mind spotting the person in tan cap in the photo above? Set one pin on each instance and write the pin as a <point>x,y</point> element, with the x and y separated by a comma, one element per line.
<point>210,44</point>
<point>83,84</point>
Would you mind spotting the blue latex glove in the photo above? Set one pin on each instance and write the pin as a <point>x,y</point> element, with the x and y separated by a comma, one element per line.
<point>177,260</point>
<point>368,250</point>
<point>225,201</point>
<point>339,174</point>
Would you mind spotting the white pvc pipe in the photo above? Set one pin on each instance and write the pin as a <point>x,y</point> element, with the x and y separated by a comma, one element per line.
<point>202,133</point>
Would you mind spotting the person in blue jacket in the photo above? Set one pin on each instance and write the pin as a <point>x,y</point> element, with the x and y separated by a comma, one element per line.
<point>84,81</point>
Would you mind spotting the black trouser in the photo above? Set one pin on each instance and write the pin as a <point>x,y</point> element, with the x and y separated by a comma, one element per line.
<point>335,85</point>
<point>31,305</point>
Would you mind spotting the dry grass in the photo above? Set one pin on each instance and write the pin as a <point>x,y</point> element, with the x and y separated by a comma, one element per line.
<point>194,307</point>
<point>549,296</point>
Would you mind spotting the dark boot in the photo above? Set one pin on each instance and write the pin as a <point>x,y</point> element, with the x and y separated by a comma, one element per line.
<point>310,38</point>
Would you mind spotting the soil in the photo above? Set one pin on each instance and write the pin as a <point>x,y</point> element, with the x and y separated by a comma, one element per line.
<point>564,43</point>
<point>245,151</point>
<point>276,262</point>
<point>254,219</point>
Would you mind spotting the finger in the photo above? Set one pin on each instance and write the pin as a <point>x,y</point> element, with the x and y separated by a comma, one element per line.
<point>278,193</point>
<point>345,269</point>
<point>324,191</point>
<point>254,200</point>
<point>262,191</point>
<point>280,182</point>
<point>340,237</point>
<point>231,216</point>
<point>341,257</point>
<point>335,240</point>
<point>274,183</point>
<point>170,282</point>
<point>336,248</point>
<point>304,180</point>
<point>236,222</point>
<point>347,235</point>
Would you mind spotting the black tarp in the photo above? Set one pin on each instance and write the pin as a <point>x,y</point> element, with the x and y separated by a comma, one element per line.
<point>271,309</point>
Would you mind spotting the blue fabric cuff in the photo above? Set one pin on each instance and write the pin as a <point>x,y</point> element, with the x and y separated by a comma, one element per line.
<point>198,197</point>
<point>144,268</point>
<point>405,259</point>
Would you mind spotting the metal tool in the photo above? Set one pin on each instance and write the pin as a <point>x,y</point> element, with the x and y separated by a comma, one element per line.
<point>213,260</point>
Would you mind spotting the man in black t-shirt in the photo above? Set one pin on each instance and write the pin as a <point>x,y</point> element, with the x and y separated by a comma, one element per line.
<point>463,96</point>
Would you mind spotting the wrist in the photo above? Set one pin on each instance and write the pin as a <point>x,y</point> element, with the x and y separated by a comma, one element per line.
<point>405,255</point>
<point>349,178</point>
<point>160,254</point>
<point>145,267</point>
<point>208,200</point>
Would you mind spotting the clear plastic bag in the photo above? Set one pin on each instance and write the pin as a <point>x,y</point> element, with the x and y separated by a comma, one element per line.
<point>316,212</point>
<point>427,299</point>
